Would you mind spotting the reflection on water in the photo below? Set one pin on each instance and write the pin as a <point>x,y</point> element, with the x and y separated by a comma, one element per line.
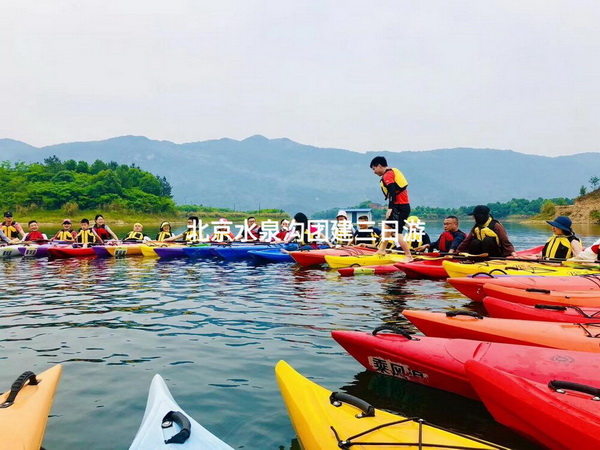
<point>214,330</point>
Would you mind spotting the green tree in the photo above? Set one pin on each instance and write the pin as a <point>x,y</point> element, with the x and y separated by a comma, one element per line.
<point>594,181</point>
<point>582,191</point>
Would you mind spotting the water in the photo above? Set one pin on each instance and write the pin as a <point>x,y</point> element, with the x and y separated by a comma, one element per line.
<point>214,330</point>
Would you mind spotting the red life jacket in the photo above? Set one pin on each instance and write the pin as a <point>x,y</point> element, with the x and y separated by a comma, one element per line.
<point>102,232</point>
<point>34,236</point>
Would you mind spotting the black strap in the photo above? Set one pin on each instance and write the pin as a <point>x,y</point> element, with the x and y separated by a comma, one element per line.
<point>180,419</point>
<point>17,386</point>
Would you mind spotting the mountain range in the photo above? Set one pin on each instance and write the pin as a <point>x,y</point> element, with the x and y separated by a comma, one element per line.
<point>257,172</point>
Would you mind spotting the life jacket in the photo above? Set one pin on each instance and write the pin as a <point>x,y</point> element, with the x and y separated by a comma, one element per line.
<point>559,247</point>
<point>399,181</point>
<point>34,236</point>
<point>10,231</point>
<point>446,240</point>
<point>86,236</point>
<point>190,236</point>
<point>164,235</point>
<point>253,234</point>
<point>342,234</point>
<point>64,235</point>
<point>102,232</point>
<point>134,236</point>
<point>485,239</point>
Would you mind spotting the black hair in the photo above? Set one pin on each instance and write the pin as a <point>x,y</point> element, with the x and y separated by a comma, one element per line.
<point>378,161</point>
<point>31,221</point>
<point>85,221</point>
<point>452,217</point>
<point>300,218</point>
<point>98,215</point>
<point>363,218</point>
<point>194,218</point>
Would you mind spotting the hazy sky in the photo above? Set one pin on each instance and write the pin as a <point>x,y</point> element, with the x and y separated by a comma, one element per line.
<point>362,75</point>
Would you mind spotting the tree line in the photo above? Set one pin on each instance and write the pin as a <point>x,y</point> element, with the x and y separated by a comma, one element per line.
<point>73,185</point>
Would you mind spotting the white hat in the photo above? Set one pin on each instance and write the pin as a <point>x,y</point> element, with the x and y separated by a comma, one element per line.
<point>223,220</point>
<point>342,213</point>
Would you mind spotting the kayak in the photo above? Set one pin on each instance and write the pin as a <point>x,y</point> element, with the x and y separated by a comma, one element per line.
<point>553,413</point>
<point>368,270</point>
<point>34,251</point>
<point>535,296</point>
<point>308,258</point>
<point>165,421</point>
<point>439,362</point>
<point>70,252</point>
<point>325,420</point>
<point>271,255</point>
<point>566,336</point>
<point>10,251</point>
<point>503,309</point>
<point>170,251</point>
<point>239,252</point>
<point>432,268</point>
<point>120,251</point>
<point>23,422</point>
<point>472,287</point>
<point>507,267</point>
<point>337,262</point>
<point>199,251</point>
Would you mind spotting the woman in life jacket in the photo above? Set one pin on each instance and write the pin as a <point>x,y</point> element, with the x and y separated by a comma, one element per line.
<point>284,229</point>
<point>137,234</point>
<point>165,232</point>
<point>307,236</point>
<point>487,236</point>
<point>102,229</point>
<point>563,244</point>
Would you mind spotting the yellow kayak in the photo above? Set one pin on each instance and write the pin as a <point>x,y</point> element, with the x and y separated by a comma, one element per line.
<point>23,422</point>
<point>506,267</point>
<point>321,424</point>
<point>119,251</point>
<point>337,262</point>
<point>148,249</point>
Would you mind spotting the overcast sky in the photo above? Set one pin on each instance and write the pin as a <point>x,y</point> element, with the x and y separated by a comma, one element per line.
<point>361,75</point>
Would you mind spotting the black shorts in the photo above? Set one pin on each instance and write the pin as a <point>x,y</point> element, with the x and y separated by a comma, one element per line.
<point>399,214</point>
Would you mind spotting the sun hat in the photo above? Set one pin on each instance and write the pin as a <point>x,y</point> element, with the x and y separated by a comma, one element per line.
<point>562,222</point>
<point>223,220</point>
<point>164,224</point>
<point>342,213</point>
<point>480,209</point>
<point>67,221</point>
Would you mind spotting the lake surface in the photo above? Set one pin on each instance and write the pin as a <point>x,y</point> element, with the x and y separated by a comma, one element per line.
<point>214,330</point>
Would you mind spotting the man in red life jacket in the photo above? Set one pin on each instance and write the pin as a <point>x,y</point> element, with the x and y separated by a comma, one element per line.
<point>449,240</point>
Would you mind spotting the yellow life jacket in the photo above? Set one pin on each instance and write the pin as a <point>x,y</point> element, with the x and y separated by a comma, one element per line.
<point>559,246</point>
<point>63,235</point>
<point>10,231</point>
<point>134,236</point>
<point>86,236</point>
<point>483,231</point>
<point>163,235</point>
<point>399,180</point>
<point>191,236</point>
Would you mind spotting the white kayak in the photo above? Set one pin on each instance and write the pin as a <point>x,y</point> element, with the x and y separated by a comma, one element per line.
<point>166,426</point>
<point>10,251</point>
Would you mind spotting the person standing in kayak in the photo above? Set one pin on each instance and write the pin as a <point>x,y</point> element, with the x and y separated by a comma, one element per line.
<point>487,236</point>
<point>449,240</point>
<point>394,187</point>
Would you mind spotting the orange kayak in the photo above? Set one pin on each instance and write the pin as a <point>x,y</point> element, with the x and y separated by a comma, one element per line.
<point>543,296</point>
<point>470,325</point>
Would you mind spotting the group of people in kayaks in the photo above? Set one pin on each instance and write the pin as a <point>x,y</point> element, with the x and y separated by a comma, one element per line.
<point>399,230</point>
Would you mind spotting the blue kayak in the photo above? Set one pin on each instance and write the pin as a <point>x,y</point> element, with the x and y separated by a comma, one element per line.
<point>238,252</point>
<point>271,255</point>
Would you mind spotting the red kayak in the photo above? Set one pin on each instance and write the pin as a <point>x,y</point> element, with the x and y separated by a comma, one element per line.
<point>472,287</point>
<point>535,296</point>
<point>423,269</point>
<point>70,252</point>
<point>555,413</point>
<point>317,257</point>
<point>367,270</point>
<point>503,309</point>
<point>583,337</point>
<point>439,362</point>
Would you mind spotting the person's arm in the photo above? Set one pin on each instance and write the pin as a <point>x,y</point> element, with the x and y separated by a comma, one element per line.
<point>174,238</point>
<point>19,228</point>
<point>464,245</point>
<point>115,237</point>
<point>576,247</point>
<point>507,248</point>
<point>3,237</point>
<point>459,237</point>
<point>98,238</point>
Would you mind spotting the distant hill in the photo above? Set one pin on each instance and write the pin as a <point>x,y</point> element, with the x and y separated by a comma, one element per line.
<point>280,173</point>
